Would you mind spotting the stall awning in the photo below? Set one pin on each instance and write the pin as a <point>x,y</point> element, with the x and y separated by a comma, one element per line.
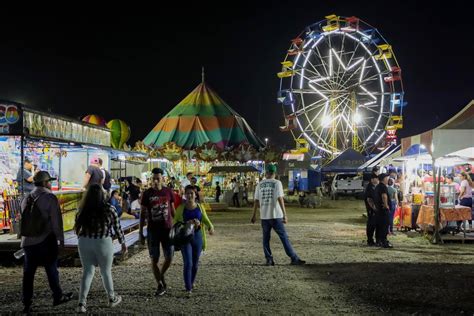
<point>235,169</point>
<point>454,135</point>
<point>378,158</point>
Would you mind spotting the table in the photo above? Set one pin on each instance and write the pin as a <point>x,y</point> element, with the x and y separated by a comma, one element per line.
<point>426,215</point>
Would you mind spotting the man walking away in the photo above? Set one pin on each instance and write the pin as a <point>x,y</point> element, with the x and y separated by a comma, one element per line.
<point>269,197</point>
<point>381,201</point>
<point>41,229</point>
<point>370,207</point>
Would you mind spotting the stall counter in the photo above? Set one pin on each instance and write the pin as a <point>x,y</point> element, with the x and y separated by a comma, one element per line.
<point>69,200</point>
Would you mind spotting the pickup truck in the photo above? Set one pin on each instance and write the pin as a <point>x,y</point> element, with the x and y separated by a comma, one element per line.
<point>346,184</point>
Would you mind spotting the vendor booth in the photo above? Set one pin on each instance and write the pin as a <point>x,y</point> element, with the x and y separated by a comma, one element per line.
<point>427,159</point>
<point>54,143</point>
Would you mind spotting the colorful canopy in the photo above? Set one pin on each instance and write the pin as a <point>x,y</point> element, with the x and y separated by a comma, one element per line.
<point>200,118</point>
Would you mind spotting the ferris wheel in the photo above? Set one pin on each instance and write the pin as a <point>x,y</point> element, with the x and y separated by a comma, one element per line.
<point>341,87</point>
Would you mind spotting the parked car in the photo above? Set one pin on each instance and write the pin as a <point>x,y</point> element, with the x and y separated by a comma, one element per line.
<point>346,184</point>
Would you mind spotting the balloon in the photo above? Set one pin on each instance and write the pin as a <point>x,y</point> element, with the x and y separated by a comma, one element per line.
<point>94,119</point>
<point>120,133</point>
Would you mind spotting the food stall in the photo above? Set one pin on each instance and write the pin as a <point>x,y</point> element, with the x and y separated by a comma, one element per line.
<point>440,152</point>
<point>54,143</point>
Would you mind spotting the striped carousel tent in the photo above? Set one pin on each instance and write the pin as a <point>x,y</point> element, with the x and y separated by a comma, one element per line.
<point>200,118</point>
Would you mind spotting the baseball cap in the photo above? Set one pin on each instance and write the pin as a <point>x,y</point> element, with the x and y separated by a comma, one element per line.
<point>270,168</point>
<point>42,176</point>
<point>95,160</point>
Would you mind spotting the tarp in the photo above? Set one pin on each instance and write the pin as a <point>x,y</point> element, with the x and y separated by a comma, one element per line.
<point>455,134</point>
<point>235,169</point>
<point>348,161</point>
<point>200,118</point>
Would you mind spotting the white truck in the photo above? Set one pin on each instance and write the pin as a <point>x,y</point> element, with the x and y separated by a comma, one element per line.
<point>346,184</point>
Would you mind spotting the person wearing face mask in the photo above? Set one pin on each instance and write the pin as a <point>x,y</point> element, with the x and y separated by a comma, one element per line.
<point>157,209</point>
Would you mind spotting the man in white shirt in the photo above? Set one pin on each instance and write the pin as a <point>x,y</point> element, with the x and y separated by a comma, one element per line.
<point>269,197</point>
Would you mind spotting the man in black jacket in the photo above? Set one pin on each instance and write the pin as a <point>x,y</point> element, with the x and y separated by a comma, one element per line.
<point>42,249</point>
<point>370,207</point>
<point>382,211</point>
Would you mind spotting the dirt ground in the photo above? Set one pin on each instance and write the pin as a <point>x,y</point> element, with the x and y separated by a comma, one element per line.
<point>342,276</point>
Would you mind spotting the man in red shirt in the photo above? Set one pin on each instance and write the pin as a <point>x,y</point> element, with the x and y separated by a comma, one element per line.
<point>157,209</point>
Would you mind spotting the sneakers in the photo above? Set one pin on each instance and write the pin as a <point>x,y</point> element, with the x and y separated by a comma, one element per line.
<point>270,262</point>
<point>189,294</point>
<point>161,290</point>
<point>81,308</point>
<point>298,262</point>
<point>371,244</point>
<point>65,298</point>
<point>387,245</point>
<point>115,301</point>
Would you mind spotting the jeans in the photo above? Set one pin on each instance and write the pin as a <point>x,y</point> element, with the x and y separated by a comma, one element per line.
<point>191,253</point>
<point>371,225</point>
<point>393,207</point>
<point>43,254</point>
<point>94,252</point>
<point>279,227</point>
<point>217,198</point>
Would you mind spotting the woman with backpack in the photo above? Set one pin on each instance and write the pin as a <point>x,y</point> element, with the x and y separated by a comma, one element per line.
<point>192,212</point>
<point>96,223</point>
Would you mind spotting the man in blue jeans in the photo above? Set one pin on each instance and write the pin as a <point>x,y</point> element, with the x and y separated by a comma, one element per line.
<point>42,249</point>
<point>269,197</point>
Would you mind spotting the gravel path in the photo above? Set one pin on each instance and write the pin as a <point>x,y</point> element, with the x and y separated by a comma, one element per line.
<point>342,275</point>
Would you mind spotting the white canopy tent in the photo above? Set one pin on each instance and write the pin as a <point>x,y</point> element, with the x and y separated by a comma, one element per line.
<point>449,144</point>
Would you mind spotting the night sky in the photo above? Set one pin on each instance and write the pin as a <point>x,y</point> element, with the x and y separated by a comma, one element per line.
<point>138,68</point>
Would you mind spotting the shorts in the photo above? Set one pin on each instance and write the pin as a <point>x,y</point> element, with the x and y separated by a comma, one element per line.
<point>155,238</point>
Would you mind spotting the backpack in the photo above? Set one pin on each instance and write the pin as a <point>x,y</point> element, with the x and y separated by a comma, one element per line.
<point>107,184</point>
<point>32,222</point>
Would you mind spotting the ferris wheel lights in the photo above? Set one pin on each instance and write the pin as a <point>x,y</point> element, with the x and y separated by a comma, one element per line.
<point>326,121</point>
<point>318,92</point>
<point>355,64</point>
<point>318,80</point>
<point>357,118</point>
<point>369,93</point>
<point>338,59</point>
<point>362,71</point>
<point>380,137</point>
<point>330,110</point>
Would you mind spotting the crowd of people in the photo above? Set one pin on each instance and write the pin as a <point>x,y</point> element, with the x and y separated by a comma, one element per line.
<point>386,192</point>
<point>98,222</point>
